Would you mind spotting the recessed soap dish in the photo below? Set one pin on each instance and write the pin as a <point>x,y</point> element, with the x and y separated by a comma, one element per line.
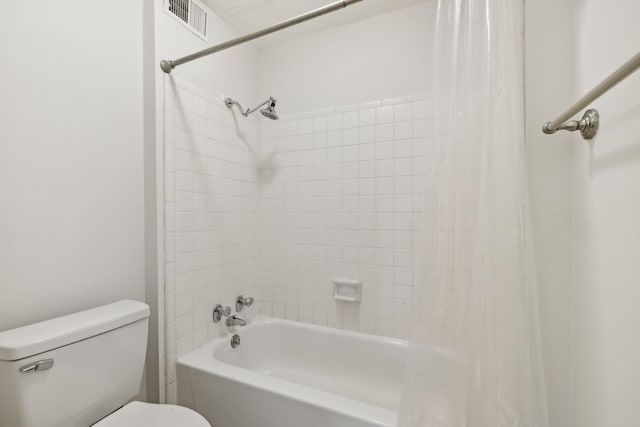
<point>348,290</point>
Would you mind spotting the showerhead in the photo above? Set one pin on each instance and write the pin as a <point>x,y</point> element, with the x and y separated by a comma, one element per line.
<point>269,112</point>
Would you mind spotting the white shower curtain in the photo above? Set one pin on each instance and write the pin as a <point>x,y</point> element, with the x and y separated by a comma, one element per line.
<point>475,358</point>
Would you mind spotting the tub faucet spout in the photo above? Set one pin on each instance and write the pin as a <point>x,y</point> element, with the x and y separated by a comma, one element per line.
<point>235,321</point>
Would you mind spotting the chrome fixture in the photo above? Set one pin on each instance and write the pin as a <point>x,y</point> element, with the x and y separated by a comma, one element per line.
<point>234,321</point>
<point>40,365</point>
<point>242,302</point>
<point>590,122</point>
<point>588,125</point>
<point>269,112</point>
<point>167,66</point>
<point>235,341</point>
<point>219,311</point>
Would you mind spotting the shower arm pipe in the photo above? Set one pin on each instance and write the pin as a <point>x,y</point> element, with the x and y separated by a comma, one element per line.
<point>590,122</point>
<point>168,65</point>
<point>268,101</point>
<point>229,102</point>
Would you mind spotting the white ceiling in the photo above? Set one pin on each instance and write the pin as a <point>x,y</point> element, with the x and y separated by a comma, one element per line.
<point>246,16</point>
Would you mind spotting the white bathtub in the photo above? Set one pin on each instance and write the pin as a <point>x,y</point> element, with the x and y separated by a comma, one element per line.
<point>290,374</point>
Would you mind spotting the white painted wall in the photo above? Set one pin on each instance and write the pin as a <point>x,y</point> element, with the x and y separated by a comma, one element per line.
<point>549,90</point>
<point>252,15</point>
<point>71,158</point>
<point>591,365</point>
<point>231,72</point>
<point>383,57</point>
<point>154,245</point>
<point>607,223</point>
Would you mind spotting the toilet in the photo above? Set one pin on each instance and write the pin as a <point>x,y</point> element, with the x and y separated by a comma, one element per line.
<point>82,370</point>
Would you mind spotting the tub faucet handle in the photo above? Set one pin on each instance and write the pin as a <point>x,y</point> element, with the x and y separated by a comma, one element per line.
<point>242,302</point>
<point>219,311</point>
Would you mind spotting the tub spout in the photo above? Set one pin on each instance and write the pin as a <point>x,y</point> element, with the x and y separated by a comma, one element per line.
<point>235,321</point>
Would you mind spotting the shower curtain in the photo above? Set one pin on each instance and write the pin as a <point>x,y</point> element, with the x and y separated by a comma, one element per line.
<point>475,358</point>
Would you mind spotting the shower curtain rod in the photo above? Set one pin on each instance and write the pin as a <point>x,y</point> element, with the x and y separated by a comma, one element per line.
<point>168,66</point>
<point>590,122</point>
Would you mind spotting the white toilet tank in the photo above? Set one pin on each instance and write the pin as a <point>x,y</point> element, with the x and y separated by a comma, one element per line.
<point>73,370</point>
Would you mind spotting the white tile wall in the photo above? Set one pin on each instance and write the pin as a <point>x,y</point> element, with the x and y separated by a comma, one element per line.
<point>211,199</point>
<point>277,209</point>
<point>340,196</point>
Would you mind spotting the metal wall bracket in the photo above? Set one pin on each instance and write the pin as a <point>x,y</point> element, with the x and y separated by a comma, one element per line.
<point>588,125</point>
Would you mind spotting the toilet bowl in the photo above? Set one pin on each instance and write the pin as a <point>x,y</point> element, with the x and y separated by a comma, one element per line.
<point>139,414</point>
<point>81,370</point>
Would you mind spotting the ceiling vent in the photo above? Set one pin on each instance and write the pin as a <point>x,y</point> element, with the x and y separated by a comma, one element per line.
<point>190,13</point>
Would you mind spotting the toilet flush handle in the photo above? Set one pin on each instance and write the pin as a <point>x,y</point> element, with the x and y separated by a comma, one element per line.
<point>40,365</point>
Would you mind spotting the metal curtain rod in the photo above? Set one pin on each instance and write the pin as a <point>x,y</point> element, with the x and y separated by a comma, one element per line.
<point>590,122</point>
<point>168,66</point>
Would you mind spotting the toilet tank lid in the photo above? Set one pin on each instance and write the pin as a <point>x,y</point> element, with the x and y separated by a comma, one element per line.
<point>16,344</point>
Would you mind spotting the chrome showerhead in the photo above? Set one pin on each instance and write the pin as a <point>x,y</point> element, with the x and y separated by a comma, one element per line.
<point>269,112</point>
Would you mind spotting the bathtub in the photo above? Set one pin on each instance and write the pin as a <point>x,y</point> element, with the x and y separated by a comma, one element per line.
<point>290,374</point>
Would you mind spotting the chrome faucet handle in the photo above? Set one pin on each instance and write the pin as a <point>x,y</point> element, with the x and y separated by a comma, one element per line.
<point>219,311</point>
<point>242,302</point>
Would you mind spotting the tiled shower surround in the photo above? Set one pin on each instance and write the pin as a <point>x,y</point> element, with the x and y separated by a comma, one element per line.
<point>211,199</point>
<point>340,195</point>
<point>277,209</point>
